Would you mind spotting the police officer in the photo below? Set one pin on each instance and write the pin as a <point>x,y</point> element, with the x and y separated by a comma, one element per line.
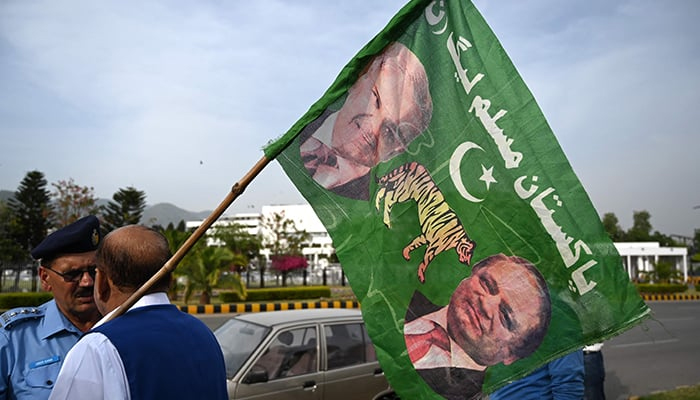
<point>35,340</point>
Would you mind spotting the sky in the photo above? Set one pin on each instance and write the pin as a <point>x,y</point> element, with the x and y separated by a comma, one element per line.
<point>177,98</point>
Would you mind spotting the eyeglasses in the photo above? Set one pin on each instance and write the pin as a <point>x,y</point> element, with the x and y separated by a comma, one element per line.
<point>75,275</point>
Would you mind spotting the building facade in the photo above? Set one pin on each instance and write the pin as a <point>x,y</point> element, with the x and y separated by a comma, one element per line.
<point>318,250</point>
<point>639,258</point>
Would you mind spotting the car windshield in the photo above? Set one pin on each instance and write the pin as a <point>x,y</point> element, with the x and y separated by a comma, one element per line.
<point>238,339</point>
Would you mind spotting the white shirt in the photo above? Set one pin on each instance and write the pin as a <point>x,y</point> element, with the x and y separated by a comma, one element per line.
<point>324,133</point>
<point>593,347</point>
<point>93,369</point>
<point>436,357</point>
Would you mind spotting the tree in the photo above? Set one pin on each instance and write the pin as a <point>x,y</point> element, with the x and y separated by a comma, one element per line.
<point>10,250</point>
<point>285,241</point>
<point>202,266</point>
<point>242,244</point>
<point>286,263</point>
<point>664,240</point>
<point>664,272</point>
<point>176,237</point>
<point>72,202</point>
<point>31,210</point>
<point>612,227</point>
<point>125,209</point>
<point>203,269</point>
<point>31,214</point>
<point>641,227</point>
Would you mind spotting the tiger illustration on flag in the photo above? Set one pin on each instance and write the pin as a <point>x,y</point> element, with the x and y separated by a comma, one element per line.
<point>440,227</point>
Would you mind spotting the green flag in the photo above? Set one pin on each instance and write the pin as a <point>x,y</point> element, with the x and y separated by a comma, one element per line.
<point>467,238</point>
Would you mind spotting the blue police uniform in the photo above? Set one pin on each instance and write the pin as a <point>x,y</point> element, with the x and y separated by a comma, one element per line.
<point>33,343</point>
<point>35,340</point>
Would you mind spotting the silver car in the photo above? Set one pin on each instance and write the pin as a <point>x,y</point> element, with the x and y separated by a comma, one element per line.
<point>301,354</point>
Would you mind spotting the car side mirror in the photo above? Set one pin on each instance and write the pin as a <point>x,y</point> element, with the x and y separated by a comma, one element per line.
<point>257,374</point>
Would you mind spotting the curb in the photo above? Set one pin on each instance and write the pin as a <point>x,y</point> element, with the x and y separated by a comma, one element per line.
<point>303,305</point>
<point>648,297</point>
<point>262,307</point>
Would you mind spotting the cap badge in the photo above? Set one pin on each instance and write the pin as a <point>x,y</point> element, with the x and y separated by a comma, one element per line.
<point>95,237</point>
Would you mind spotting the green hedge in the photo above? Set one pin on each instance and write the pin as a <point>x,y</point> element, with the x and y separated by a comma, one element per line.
<point>230,297</point>
<point>23,299</point>
<point>278,294</point>
<point>661,288</point>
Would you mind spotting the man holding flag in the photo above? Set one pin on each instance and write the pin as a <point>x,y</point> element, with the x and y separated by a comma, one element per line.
<point>153,351</point>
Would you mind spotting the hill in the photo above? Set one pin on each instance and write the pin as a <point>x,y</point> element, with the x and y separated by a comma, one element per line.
<point>158,214</point>
<point>6,194</point>
<point>165,213</point>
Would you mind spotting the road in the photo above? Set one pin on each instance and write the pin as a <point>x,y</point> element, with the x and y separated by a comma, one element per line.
<point>661,354</point>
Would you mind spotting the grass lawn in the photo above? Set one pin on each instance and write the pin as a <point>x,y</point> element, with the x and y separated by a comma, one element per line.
<point>681,393</point>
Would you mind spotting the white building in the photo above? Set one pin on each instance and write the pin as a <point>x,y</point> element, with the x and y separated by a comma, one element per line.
<point>320,246</point>
<point>317,251</point>
<point>249,221</point>
<point>639,257</point>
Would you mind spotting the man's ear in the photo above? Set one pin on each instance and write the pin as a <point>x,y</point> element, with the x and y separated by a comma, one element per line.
<point>43,277</point>
<point>101,288</point>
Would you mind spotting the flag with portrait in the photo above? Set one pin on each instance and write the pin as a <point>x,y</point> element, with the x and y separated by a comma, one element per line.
<point>467,238</point>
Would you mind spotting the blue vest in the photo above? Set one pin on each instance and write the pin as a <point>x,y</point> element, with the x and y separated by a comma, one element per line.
<point>167,354</point>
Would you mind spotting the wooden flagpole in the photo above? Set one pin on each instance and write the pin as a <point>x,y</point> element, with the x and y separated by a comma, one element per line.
<point>171,264</point>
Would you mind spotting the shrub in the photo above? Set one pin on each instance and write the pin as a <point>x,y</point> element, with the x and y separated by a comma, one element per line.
<point>23,299</point>
<point>280,293</point>
<point>230,297</point>
<point>660,288</point>
<point>236,289</point>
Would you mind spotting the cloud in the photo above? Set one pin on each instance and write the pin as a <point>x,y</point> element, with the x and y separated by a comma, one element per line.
<point>114,94</point>
<point>615,81</point>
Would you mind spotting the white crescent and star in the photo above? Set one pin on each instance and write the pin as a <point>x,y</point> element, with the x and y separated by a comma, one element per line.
<point>487,176</point>
<point>455,161</point>
<point>433,19</point>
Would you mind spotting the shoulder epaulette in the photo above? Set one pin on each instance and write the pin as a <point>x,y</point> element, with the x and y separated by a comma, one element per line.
<point>15,315</point>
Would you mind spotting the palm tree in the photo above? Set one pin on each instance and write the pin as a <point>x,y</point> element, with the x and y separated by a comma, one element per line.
<point>202,266</point>
<point>203,270</point>
<point>176,238</point>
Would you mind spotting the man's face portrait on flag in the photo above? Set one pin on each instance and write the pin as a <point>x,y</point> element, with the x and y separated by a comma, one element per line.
<point>501,312</point>
<point>385,110</point>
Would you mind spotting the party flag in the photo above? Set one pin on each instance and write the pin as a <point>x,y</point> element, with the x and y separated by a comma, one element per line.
<point>471,245</point>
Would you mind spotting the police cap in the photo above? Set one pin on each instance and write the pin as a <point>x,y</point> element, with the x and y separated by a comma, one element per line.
<point>81,236</point>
